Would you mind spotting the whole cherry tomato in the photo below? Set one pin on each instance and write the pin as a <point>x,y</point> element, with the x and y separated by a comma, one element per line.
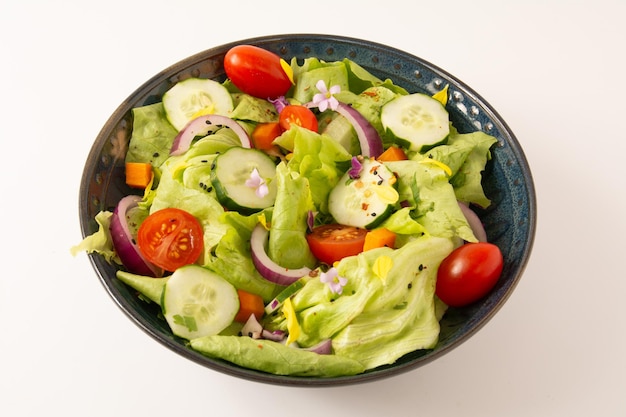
<point>257,71</point>
<point>468,273</point>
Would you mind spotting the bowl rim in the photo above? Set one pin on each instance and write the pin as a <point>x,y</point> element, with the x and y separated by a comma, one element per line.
<point>259,376</point>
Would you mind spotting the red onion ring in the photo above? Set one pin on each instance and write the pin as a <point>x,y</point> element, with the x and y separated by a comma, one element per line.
<point>200,126</point>
<point>474,222</point>
<point>268,268</point>
<point>369,139</point>
<point>123,241</point>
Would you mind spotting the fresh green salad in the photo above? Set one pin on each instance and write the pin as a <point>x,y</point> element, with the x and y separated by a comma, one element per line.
<point>301,218</point>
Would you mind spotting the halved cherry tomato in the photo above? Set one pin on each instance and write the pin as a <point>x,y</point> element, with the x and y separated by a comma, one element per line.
<point>332,242</point>
<point>257,71</point>
<point>294,114</point>
<point>170,238</point>
<point>469,273</point>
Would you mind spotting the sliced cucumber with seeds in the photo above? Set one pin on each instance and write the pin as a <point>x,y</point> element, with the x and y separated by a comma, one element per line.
<point>195,97</point>
<point>367,200</point>
<point>230,176</point>
<point>417,120</point>
<point>198,302</point>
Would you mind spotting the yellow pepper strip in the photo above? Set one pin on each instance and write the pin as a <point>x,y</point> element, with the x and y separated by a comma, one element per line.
<point>263,221</point>
<point>203,112</point>
<point>441,165</point>
<point>387,193</point>
<point>287,68</point>
<point>382,266</point>
<point>292,322</point>
<point>442,96</point>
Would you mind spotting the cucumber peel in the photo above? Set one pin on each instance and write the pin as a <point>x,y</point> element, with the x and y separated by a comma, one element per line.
<point>149,287</point>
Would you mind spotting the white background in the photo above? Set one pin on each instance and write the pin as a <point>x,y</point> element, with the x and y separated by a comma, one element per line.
<point>553,69</point>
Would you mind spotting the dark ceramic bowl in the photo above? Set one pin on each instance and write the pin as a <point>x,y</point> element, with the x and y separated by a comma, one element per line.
<point>509,221</point>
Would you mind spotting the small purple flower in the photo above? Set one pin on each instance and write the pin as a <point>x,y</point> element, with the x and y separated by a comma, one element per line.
<point>355,171</point>
<point>310,220</point>
<point>279,103</point>
<point>325,99</point>
<point>255,181</point>
<point>334,281</point>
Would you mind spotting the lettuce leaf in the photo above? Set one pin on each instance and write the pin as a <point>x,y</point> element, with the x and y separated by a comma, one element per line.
<point>400,316</point>
<point>319,158</point>
<point>99,242</point>
<point>275,358</point>
<point>231,256</point>
<point>396,309</point>
<point>152,135</point>
<point>426,189</point>
<point>466,154</point>
<point>287,245</point>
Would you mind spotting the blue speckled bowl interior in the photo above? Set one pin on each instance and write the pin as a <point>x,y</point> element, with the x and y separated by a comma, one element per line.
<point>510,220</point>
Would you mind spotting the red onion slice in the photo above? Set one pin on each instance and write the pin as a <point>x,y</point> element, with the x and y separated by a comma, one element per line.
<point>276,335</point>
<point>323,348</point>
<point>369,139</point>
<point>474,222</point>
<point>200,126</point>
<point>268,268</point>
<point>252,328</point>
<point>123,241</point>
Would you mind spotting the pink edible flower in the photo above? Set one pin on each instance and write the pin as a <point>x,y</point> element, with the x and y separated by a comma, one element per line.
<point>334,281</point>
<point>324,99</point>
<point>255,181</point>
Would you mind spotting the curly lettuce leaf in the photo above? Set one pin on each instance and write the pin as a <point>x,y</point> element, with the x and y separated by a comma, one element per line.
<point>425,188</point>
<point>392,306</point>
<point>466,154</point>
<point>319,158</point>
<point>401,316</point>
<point>99,242</point>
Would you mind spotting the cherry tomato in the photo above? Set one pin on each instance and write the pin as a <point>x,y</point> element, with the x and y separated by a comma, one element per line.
<point>297,115</point>
<point>469,273</point>
<point>257,71</point>
<point>170,238</point>
<point>332,242</point>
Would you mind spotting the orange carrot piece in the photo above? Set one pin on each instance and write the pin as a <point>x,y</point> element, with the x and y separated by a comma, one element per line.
<point>393,153</point>
<point>249,304</point>
<point>138,174</point>
<point>378,238</point>
<point>264,134</point>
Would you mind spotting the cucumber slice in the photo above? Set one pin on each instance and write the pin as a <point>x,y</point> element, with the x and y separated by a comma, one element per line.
<point>291,289</point>
<point>195,97</point>
<point>230,172</point>
<point>367,200</point>
<point>418,120</point>
<point>149,287</point>
<point>198,302</point>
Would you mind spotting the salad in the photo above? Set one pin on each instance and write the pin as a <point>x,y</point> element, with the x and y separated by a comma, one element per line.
<point>303,218</point>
